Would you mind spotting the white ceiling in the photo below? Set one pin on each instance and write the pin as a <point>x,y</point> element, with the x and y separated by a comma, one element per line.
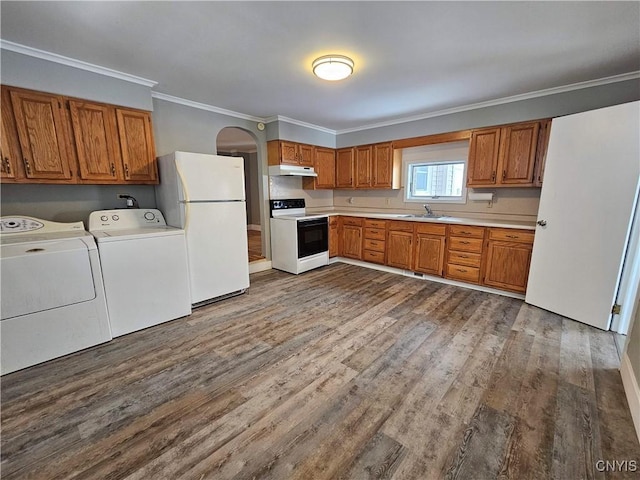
<point>412,58</point>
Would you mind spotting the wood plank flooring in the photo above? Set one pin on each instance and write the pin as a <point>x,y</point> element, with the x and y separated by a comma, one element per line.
<point>254,239</point>
<point>340,373</point>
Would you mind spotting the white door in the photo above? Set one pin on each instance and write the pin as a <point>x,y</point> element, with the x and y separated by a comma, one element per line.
<point>210,177</point>
<point>590,181</point>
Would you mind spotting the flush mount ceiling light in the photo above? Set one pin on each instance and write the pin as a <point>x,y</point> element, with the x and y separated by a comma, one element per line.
<point>332,67</point>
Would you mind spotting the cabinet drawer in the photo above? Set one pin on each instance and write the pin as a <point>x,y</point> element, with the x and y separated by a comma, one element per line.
<point>401,226</point>
<point>464,273</point>
<point>464,258</point>
<point>466,231</point>
<point>465,244</point>
<point>374,233</point>
<point>371,256</point>
<point>377,245</point>
<point>511,235</point>
<point>355,221</point>
<point>431,228</point>
<point>370,223</point>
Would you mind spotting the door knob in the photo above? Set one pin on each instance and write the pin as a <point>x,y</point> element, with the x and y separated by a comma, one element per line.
<point>542,223</point>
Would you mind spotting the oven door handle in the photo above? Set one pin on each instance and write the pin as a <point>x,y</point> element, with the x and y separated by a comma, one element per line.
<point>313,223</point>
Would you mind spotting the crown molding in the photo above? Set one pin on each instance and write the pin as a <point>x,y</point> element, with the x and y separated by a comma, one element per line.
<point>280,118</point>
<point>500,101</point>
<point>72,62</point>
<point>204,106</point>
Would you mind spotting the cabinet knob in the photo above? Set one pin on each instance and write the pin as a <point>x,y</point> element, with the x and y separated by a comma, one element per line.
<point>493,176</point>
<point>27,166</point>
<point>113,170</point>
<point>7,165</point>
<point>542,223</point>
<point>126,170</point>
<point>504,174</point>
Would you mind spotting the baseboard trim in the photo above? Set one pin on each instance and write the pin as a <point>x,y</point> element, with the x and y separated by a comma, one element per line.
<point>632,391</point>
<point>257,228</point>
<point>419,276</point>
<point>259,266</point>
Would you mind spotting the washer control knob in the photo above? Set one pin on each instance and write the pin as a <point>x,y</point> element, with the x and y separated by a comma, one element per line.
<point>115,218</point>
<point>149,216</point>
<point>104,218</point>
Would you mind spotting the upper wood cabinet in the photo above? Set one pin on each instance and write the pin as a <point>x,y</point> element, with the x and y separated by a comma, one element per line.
<point>43,134</point>
<point>324,164</point>
<point>96,141</point>
<point>345,167</point>
<point>10,156</point>
<point>386,164</point>
<point>504,156</point>
<point>363,168</point>
<point>56,136</point>
<point>137,146</point>
<point>289,153</point>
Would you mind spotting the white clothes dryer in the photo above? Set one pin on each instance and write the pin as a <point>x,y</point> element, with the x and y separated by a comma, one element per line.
<point>144,267</point>
<point>52,295</point>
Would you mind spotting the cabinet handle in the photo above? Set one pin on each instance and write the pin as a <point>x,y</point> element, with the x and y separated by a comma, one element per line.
<point>7,165</point>
<point>493,176</point>
<point>504,174</point>
<point>113,170</point>
<point>465,233</point>
<point>126,170</point>
<point>512,236</point>
<point>462,270</point>
<point>463,256</point>
<point>465,243</point>
<point>27,165</point>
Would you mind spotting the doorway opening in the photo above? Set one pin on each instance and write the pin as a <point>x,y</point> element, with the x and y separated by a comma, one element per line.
<point>236,142</point>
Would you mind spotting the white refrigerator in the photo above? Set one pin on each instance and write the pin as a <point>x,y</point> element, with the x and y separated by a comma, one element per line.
<point>204,195</point>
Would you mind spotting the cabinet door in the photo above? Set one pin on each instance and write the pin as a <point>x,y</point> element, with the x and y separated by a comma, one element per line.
<point>305,155</point>
<point>382,165</point>
<point>42,130</point>
<point>288,153</point>
<point>483,157</point>
<point>518,153</point>
<point>399,249</point>
<point>507,265</point>
<point>136,145</point>
<point>96,139</point>
<point>334,237</point>
<point>541,152</point>
<point>10,155</point>
<point>352,242</point>
<point>345,163</point>
<point>363,167</point>
<point>325,166</point>
<point>429,255</point>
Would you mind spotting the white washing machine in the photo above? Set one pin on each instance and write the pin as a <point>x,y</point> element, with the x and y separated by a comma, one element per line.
<point>144,267</point>
<point>52,297</point>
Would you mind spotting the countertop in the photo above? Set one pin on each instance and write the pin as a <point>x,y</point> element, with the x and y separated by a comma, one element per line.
<point>482,222</point>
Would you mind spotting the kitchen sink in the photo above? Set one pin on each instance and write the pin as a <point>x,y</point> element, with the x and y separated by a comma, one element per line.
<point>422,215</point>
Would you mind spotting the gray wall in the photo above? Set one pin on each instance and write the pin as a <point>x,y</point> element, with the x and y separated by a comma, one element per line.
<point>283,130</point>
<point>542,107</point>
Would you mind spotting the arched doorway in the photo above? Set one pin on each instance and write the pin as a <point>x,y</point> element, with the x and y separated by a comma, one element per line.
<point>236,142</point>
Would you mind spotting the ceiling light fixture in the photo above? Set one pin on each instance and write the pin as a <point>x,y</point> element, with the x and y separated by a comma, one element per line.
<point>332,67</point>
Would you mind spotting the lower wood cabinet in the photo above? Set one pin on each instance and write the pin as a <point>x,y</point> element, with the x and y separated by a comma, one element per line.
<point>352,237</point>
<point>334,236</point>
<point>464,253</point>
<point>430,249</point>
<point>400,244</point>
<point>375,235</point>
<point>508,256</point>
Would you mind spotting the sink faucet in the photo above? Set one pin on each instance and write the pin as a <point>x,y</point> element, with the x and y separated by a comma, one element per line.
<point>427,207</point>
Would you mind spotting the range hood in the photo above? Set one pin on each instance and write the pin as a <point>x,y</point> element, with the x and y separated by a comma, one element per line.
<point>291,171</point>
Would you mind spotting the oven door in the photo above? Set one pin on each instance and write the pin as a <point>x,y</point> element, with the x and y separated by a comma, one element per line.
<point>313,236</point>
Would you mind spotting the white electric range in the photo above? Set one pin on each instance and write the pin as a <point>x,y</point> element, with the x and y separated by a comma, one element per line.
<point>299,242</point>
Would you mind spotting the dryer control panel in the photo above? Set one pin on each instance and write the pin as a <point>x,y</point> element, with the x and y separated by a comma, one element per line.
<point>14,224</point>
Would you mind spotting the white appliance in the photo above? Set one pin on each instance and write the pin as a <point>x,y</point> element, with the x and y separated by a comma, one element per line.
<point>204,195</point>
<point>283,170</point>
<point>144,266</point>
<point>52,295</point>
<point>299,242</point>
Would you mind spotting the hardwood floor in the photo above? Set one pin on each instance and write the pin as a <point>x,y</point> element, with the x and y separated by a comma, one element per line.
<point>340,373</point>
<point>255,245</point>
